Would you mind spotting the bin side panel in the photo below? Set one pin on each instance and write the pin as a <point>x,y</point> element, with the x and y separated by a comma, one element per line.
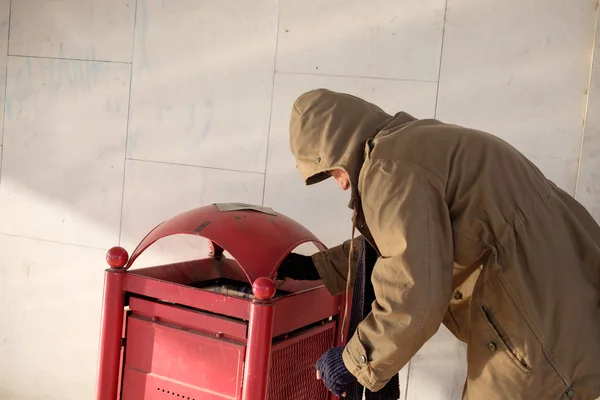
<point>141,386</point>
<point>292,371</point>
<point>317,305</point>
<point>194,360</point>
<point>187,296</point>
<point>189,319</point>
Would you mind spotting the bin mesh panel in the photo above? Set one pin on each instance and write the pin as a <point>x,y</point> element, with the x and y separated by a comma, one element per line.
<point>292,375</point>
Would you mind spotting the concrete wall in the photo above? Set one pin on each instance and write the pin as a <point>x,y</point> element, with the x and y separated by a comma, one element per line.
<point>118,114</point>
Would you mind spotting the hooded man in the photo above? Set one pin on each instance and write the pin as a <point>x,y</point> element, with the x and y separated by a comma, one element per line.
<point>468,233</point>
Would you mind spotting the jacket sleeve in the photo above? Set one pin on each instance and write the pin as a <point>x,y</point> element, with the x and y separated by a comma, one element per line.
<point>332,265</point>
<point>405,210</point>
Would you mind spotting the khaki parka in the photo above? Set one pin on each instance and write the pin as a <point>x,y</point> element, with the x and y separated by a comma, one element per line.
<point>469,234</point>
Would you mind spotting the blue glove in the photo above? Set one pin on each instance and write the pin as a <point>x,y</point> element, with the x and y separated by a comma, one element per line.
<point>333,372</point>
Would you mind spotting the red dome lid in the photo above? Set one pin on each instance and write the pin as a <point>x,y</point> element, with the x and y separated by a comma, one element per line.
<point>257,237</point>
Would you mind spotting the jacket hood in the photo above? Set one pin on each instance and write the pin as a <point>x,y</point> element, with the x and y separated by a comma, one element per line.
<point>329,130</point>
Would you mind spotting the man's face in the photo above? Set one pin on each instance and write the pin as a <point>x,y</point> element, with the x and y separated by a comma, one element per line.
<point>341,177</point>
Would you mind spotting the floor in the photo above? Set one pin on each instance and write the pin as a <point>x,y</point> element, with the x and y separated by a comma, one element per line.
<point>118,114</point>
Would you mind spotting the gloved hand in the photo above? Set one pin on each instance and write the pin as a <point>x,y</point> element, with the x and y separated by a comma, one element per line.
<point>332,370</point>
<point>298,267</point>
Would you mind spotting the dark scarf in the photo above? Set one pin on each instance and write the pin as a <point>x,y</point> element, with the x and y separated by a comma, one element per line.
<point>363,296</point>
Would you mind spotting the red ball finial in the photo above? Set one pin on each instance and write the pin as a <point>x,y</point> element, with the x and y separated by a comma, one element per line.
<point>117,257</point>
<point>263,288</point>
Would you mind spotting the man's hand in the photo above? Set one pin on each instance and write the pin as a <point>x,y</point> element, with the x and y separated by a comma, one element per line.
<point>298,267</point>
<point>332,370</point>
<point>319,378</point>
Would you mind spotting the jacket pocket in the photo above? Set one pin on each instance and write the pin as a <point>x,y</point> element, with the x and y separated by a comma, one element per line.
<point>503,338</point>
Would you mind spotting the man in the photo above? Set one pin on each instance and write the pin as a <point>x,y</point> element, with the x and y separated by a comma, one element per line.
<point>468,233</point>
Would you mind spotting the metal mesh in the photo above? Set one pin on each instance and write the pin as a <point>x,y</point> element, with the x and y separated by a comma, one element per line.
<point>292,375</point>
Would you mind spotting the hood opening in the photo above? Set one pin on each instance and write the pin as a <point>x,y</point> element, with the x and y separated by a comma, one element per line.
<point>329,130</point>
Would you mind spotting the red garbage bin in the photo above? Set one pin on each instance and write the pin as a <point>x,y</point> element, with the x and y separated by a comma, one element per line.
<point>219,327</point>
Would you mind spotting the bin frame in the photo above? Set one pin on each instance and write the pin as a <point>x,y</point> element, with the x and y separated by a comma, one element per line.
<point>233,230</point>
